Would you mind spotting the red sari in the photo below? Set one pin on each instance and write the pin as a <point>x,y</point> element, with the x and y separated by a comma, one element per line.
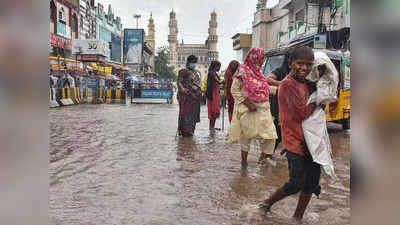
<point>213,105</point>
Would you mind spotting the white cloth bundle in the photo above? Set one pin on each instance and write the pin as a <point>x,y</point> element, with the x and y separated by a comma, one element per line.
<point>327,83</point>
<point>318,143</point>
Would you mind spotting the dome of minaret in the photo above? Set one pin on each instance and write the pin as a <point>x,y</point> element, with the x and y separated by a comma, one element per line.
<point>151,20</point>
<point>172,14</point>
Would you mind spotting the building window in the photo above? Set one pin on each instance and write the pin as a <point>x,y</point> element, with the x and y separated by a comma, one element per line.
<point>81,22</point>
<point>61,16</point>
<point>87,9</point>
<point>93,27</point>
<point>74,24</point>
<point>52,11</point>
<point>300,16</point>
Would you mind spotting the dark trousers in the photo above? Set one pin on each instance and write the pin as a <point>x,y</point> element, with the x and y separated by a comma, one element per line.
<point>304,175</point>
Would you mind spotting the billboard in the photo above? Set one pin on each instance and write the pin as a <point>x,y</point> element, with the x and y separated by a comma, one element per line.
<point>133,46</point>
<point>90,47</point>
<point>105,35</point>
<point>115,48</point>
<point>60,42</point>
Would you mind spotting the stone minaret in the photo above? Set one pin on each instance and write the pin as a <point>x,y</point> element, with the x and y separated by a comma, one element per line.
<point>212,38</point>
<point>151,32</point>
<point>151,39</point>
<point>173,39</point>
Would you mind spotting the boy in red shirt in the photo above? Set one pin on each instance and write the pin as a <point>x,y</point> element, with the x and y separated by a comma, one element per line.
<point>304,174</point>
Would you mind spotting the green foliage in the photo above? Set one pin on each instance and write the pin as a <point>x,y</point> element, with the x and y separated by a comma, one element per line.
<point>161,64</point>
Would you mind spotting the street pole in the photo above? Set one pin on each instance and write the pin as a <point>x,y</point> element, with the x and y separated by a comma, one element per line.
<point>76,64</point>
<point>223,107</point>
<point>137,17</point>
<point>223,115</point>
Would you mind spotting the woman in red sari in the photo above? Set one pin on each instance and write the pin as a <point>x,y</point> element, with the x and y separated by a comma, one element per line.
<point>213,98</point>
<point>233,66</point>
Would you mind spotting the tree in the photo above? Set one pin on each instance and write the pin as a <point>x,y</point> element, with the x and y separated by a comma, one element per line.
<point>161,64</point>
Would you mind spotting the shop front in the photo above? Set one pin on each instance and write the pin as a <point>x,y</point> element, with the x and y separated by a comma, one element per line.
<point>61,53</point>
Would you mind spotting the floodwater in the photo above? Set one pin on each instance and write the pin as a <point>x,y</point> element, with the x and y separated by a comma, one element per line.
<point>123,164</point>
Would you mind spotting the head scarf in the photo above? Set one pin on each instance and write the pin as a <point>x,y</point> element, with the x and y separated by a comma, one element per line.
<point>255,85</point>
<point>232,68</point>
<point>233,65</point>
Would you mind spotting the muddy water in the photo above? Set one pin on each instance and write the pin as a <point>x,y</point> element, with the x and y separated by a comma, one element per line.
<point>113,164</point>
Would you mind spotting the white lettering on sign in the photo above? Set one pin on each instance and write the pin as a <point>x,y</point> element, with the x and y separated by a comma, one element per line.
<point>159,94</point>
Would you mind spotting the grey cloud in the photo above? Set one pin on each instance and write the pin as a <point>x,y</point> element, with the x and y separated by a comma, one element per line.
<point>193,18</point>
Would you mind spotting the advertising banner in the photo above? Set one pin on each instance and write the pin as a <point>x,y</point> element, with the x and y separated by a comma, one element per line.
<point>103,70</point>
<point>90,47</point>
<point>93,83</point>
<point>346,74</point>
<point>57,41</point>
<point>115,48</point>
<point>133,46</point>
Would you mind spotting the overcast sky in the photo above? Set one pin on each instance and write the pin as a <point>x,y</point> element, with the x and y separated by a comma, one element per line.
<point>193,16</point>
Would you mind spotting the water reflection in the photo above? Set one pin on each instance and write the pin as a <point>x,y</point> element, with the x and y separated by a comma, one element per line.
<point>112,164</point>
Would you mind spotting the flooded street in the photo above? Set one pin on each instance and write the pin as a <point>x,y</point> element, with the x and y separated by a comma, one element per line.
<point>123,164</point>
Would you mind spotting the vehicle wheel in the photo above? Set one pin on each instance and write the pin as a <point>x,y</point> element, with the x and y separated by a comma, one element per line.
<point>346,124</point>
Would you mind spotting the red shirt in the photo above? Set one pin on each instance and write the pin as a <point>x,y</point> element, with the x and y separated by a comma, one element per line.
<point>293,96</point>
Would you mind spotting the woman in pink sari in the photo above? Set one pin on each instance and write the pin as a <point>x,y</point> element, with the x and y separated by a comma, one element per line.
<point>252,119</point>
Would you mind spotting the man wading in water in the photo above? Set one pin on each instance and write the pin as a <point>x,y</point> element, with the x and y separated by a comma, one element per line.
<point>304,174</point>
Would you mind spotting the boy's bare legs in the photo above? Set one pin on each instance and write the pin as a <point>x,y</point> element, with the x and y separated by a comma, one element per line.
<point>278,195</point>
<point>304,199</point>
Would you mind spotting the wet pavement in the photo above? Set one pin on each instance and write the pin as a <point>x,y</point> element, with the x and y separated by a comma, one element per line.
<point>123,164</point>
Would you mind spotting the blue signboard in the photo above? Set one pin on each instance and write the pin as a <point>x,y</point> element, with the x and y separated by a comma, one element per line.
<point>156,93</point>
<point>93,83</point>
